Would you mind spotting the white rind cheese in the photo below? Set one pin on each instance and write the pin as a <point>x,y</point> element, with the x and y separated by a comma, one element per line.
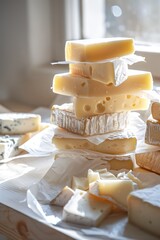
<point>64,117</point>
<point>149,161</point>
<point>9,145</point>
<point>144,209</point>
<point>82,208</point>
<point>19,123</point>
<point>152,135</point>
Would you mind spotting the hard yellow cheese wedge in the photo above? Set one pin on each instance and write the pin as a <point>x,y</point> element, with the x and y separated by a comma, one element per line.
<point>78,86</point>
<point>92,50</point>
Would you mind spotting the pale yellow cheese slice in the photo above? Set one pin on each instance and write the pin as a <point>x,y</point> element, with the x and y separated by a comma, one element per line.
<point>155,110</point>
<point>116,143</point>
<point>78,86</point>
<point>144,209</point>
<point>87,107</point>
<point>92,50</point>
<point>102,72</point>
<point>149,161</point>
<point>64,117</point>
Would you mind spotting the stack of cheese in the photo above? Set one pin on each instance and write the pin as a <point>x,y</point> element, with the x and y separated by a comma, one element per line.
<point>15,129</point>
<point>150,160</point>
<point>101,104</point>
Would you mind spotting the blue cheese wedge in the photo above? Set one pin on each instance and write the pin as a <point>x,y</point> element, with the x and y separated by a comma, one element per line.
<point>64,117</point>
<point>19,123</point>
<point>144,209</point>
<point>83,209</point>
<point>9,145</point>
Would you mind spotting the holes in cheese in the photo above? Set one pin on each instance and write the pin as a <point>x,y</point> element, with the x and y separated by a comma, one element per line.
<point>86,107</point>
<point>92,50</point>
<point>75,85</point>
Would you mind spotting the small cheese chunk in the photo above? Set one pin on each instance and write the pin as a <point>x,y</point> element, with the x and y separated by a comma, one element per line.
<point>93,176</point>
<point>115,143</point>
<point>63,197</point>
<point>152,134</point>
<point>144,209</point>
<point>82,208</point>
<point>155,110</point>
<point>114,72</point>
<point>116,189</point>
<point>80,183</point>
<point>92,50</point>
<point>19,123</point>
<point>149,161</point>
<point>64,117</point>
<point>87,107</point>
<point>78,86</point>
<point>9,145</point>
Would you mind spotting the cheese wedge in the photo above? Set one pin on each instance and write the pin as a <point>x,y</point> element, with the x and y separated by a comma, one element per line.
<point>83,209</point>
<point>115,143</point>
<point>92,50</point>
<point>9,145</point>
<point>64,117</point>
<point>78,86</point>
<point>152,134</point>
<point>155,110</point>
<point>144,209</point>
<point>149,161</point>
<point>87,107</point>
<point>114,72</point>
<point>79,183</point>
<point>63,197</point>
<point>19,123</point>
<point>114,189</point>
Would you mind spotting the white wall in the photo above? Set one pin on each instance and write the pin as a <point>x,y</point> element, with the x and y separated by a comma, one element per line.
<point>30,38</point>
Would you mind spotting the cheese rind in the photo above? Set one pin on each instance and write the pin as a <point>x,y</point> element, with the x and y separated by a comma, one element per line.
<point>155,110</point>
<point>64,117</point>
<point>149,161</point>
<point>92,50</point>
<point>86,107</point>
<point>78,86</point>
<point>115,143</point>
<point>152,134</point>
<point>9,145</point>
<point>19,123</point>
<point>144,209</point>
<point>82,208</point>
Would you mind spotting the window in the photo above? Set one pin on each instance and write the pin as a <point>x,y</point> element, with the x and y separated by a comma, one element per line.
<point>130,18</point>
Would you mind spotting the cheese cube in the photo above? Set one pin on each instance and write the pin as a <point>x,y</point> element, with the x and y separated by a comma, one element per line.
<point>79,183</point>
<point>144,209</point>
<point>78,86</point>
<point>92,50</point>
<point>82,208</point>
<point>19,123</point>
<point>149,161</point>
<point>9,145</point>
<point>116,189</point>
<point>64,117</point>
<point>152,134</point>
<point>87,107</point>
<point>63,197</point>
<point>155,110</point>
<point>114,143</point>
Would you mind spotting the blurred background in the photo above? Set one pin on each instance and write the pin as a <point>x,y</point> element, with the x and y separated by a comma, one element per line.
<point>33,34</point>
